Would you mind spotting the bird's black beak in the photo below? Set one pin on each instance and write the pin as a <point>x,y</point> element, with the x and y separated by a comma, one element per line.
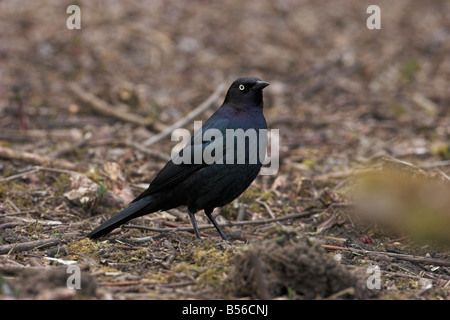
<point>260,85</point>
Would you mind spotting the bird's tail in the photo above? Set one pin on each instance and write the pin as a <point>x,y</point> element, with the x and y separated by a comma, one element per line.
<point>135,209</point>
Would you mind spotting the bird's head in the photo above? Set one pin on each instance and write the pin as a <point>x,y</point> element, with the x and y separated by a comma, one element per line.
<point>247,90</point>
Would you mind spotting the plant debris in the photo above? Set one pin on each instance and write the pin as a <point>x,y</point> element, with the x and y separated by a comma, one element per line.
<point>293,267</point>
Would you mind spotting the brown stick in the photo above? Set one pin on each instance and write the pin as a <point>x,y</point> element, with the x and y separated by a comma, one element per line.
<point>118,283</point>
<point>105,108</point>
<point>26,246</point>
<point>151,283</point>
<point>228,224</point>
<point>400,256</point>
<point>148,151</point>
<point>189,117</point>
<point>8,153</point>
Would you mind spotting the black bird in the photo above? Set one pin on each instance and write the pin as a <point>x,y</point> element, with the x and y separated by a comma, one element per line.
<point>205,184</point>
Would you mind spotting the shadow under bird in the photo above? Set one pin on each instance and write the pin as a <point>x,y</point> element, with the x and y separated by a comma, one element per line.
<point>205,185</point>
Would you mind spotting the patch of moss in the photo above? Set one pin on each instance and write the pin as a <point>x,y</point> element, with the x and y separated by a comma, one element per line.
<point>33,227</point>
<point>409,70</point>
<point>85,246</point>
<point>396,108</point>
<point>206,264</point>
<point>17,192</point>
<point>126,256</point>
<point>249,197</point>
<point>441,150</point>
<point>158,276</point>
<point>61,184</point>
<point>94,174</point>
<point>253,193</point>
<point>212,257</point>
<point>309,163</point>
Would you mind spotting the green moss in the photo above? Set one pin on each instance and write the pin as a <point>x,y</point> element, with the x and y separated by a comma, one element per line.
<point>84,247</point>
<point>396,108</point>
<point>18,192</point>
<point>409,70</point>
<point>441,150</point>
<point>248,198</point>
<point>33,227</point>
<point>126,256</point>
<point>252,194</point>
<point>266,196</point>
<point>61,184</point>
<point>309,163</point>
<point>212,257</point>
<point>94,174</point>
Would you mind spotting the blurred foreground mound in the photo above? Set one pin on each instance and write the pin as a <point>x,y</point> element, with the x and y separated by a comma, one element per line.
<point>405,199</point>
<point>294,267</point>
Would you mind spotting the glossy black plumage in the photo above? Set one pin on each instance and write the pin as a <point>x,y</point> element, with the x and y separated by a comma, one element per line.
<point>205,185</point>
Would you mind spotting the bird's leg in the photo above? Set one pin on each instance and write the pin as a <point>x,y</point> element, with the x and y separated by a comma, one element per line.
<point>194,225</point>
<point>216,225</point>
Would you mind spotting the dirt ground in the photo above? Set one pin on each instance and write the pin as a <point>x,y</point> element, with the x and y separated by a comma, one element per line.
<point>359,208</point>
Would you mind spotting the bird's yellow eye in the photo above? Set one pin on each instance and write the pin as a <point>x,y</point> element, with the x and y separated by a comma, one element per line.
<point>241,87</point>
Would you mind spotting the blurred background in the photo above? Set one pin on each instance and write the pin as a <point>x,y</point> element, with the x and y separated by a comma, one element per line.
<point>340,90</point>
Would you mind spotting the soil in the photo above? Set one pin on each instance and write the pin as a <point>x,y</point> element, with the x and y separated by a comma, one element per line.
<point>357,210</point>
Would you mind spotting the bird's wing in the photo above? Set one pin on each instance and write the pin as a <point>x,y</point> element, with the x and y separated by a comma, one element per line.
<point>175,171</point>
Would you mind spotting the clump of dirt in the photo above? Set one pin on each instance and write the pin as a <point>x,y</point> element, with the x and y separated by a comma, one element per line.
<point>294,267</point>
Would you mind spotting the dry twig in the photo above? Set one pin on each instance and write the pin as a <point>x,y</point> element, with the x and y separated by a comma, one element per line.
<point>400,256</point>
<point>228,224</point>
<point>189,117</point>
<point>30,245</point>
<point>105,108</point>
<point>34,158</point>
